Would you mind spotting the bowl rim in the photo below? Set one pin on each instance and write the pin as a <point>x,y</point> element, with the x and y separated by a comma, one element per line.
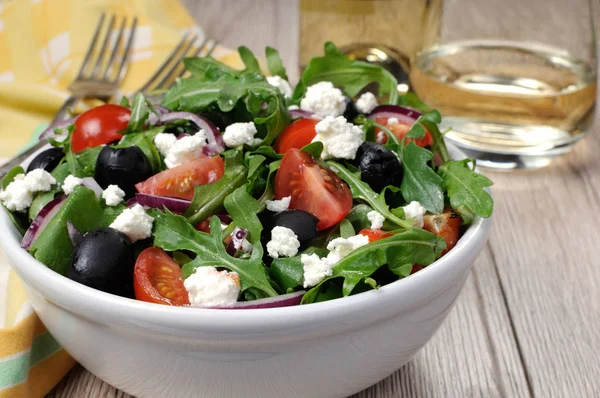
<point>80,299</point>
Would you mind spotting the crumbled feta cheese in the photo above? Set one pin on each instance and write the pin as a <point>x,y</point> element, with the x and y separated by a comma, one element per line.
<point>164,142</point>
<point>39,180</point>
<point>281,84</point>
<point>18,195</point>
<point>279,205</point>
<point>414,211</point>
<point>186,149</point>
<point>113,195</point>
<point>293,108</point>
<point>340,139</point>
<point>366,103</point>
<point>393,120</point>
<point>284,242</point>
<point>237,134</point>
<point>134,223</point>
<point>247,246</point>
<point>381,136</point>
<point>376,219</point>
<point>324,100</point>
<point>208,287</point>
<point>70,183</point>
<point>316,269</point>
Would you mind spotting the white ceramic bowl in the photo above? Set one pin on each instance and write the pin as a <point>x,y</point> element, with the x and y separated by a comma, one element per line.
<point>330,349</point>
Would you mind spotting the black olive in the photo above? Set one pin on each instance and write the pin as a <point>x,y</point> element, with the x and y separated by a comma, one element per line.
<point>124,167</point>
<point>104,260</point>
<point>351,112</point>
<point>303,223</point>
<point>378,165</point>
<point>47,160</point>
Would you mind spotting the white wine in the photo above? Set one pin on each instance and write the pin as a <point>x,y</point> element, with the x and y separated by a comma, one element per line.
<point>511,105</point>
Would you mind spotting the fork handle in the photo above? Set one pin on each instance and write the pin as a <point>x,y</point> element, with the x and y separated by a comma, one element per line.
<point>17,160</point>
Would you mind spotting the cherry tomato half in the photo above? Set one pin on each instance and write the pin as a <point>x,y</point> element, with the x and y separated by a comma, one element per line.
<point>157,279</point>
<point>374,234</point>
<point>99,126</point>
<point>180,181</point>
<point>297,135</point>
<point>446,225</point>
<point>313,188</point>
<point>400,129</point>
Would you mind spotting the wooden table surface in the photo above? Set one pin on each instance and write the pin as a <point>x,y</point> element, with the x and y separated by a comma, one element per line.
<point>527,322</point>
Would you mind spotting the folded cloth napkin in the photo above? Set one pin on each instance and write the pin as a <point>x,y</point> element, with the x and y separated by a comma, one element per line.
<point>42,44</point>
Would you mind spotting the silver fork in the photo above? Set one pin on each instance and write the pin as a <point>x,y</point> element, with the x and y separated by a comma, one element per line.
<point>172,67</point>
<point>96,78</point>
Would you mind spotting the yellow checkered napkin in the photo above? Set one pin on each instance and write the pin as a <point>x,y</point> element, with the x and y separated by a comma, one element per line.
<point>42,44</point>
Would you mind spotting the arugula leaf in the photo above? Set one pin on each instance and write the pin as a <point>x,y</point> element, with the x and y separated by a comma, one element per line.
<point>208,68</point>
<point>413,246</point>
<point>328,290</point>
<point>314,149</point>
<point>430,120</point>
<point>346,229</point>
<point>86,161</point>
<point>411,100</point>
<point>249,59</point>
<point>210,197</point>
<point>139,114</point>
<point>362,190</point>
<point>266,151</point>
<point>243,210</point>
<point>275,64</point>
<point>10,176</point>
<point>352,75</point>
<point>358,216</point>
<point>19,220</point>
<point>173,232</point>
<point>288,272</point>
<point>269,193</point>
<point>145,141</point>
<point>420,182</point>
<point>40,200</point>
<point>466,189</point>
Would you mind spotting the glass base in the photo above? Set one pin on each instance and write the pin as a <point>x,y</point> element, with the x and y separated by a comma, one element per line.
<point>508,146</point>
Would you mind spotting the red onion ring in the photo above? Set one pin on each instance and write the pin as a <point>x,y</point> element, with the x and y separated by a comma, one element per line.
<point>74,234</point>
<point>237,241</point>
<point>176,205</point>
<point>41,221</point>
<point>401,113</point>
<point>285,300</point>
<point>302,114</point>
<point>90,183</point>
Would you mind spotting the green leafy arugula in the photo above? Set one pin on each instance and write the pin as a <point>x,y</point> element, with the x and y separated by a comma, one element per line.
<point>466,189</point>
<point>209,69</point>
<point>275,64</point>
<point>140,110</point>
<point>413,246</point>
<point>249,60</point>
<point>352,75</point>
<point>288,272</point>
<point>19,220</point>
<point>420,182</point>
<point>145,141</point>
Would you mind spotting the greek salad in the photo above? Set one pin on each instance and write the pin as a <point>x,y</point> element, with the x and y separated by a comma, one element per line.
<point>239,191</point>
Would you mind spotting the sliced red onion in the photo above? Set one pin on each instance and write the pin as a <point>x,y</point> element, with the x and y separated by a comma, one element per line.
<point>225,218</point>
<point>90,183</point>
<point>74,234</point>
<point>41,221</point>
<point>402,113</point>
<point>212,149</point>
<point>49,132</point>
<point>285,300</point>
<point>237,241</point>
<point>176,205</point>
<point>161,109</point>
<point>212,133</point>
<point>131,202</point>
<point>302,114</point>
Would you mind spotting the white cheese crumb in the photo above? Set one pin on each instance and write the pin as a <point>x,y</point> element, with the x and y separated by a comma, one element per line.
<point>113,195</point>
<point>164,142</point>
<point>237,134</point>
<point>340,139</point>
<point>324,100</point>
<point>316,269</point>
<point>70,183</point>
<point>208,287</point>
<point>18,195</point>
<point>186,149</point>
<point>376,219</point>
<point>393,120</point>
<point>134,223</point>
<point>279,205</point>
<point>366,103</point>
<point>281,84</point>
<point>284,242</point>
<point>293,108</point>
<point>414,211</point>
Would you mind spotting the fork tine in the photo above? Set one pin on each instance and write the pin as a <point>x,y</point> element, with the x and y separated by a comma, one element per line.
<point>212,48</point>
<point>91,47</point>
<point>100,58</point>
<point>172,71</point>
<point>125,60</point>
<point>164,65</point>
<point>114,50</point>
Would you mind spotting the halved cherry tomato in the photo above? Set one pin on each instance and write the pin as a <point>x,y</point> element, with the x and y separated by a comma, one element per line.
<point>157,279</point>
<point>446,225</point>
<point>313,188</point>
<point>99,126</point>
<point>297,135</point>
<point>416,268</point>
<point>180,181</point>
<point>400,129</point>
<point>374,234</point>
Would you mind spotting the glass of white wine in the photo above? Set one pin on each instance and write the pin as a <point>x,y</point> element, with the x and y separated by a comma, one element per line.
<point>515,80</point>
